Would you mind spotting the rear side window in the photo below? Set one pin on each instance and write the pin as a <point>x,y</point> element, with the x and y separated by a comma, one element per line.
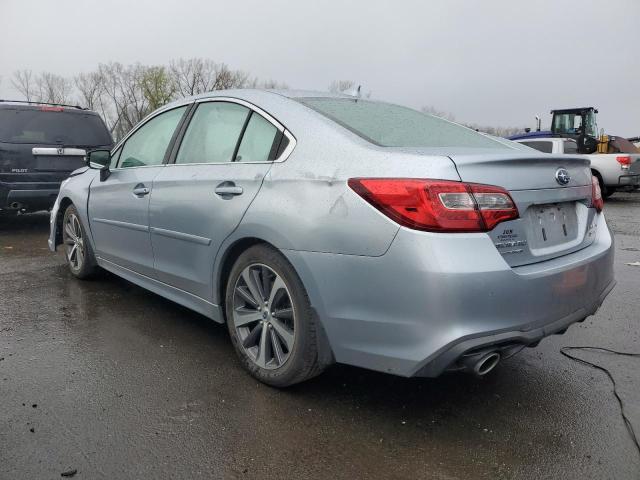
<point>388,125</point>
<point>213,133</point>
<point>148,145</point>
<point>544,147</point>
<point>570,146</point>
<point>52,127</point>
<point>257,141</point>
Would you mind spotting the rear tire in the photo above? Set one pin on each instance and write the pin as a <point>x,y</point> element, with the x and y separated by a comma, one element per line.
<point>77,248</point>
<point>270,319</point>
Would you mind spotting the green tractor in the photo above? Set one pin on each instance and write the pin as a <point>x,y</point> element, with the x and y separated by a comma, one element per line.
<point>581,125</point>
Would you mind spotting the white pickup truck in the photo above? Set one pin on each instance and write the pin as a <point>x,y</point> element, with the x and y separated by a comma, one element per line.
<point>615,171</point>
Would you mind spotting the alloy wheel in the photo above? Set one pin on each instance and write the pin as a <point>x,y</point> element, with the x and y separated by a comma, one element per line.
<point>73,242</point>
<point>264,316</point>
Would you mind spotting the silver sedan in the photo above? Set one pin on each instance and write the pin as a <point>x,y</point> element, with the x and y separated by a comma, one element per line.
<point>327,228</point>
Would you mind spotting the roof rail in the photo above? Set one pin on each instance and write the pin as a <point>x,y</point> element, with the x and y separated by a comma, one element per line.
<point>44,103</point>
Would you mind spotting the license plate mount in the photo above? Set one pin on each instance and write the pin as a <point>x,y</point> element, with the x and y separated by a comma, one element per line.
<point>552,224</point>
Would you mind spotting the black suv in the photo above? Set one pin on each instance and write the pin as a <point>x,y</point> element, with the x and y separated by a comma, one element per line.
<point>40,145</point>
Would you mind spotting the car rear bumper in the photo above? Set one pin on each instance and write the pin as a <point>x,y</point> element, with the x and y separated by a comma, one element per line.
<point>28,195</point>
<point>433,297</point>
<point>630,181</point>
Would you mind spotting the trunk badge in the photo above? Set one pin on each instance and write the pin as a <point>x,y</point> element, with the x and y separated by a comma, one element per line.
<point>562,176</point>
<point>61,151</point>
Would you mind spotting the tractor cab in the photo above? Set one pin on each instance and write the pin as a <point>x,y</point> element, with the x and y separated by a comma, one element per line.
<point>579,124</point>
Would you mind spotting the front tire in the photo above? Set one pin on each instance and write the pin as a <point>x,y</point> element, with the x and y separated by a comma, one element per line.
<point>270,319</point>
<point>77,248</point>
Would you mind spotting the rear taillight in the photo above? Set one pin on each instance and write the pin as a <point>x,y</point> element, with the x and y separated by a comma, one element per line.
<point>596,195</point>
<point>624,161</point>
<point>437,205</point>
<point>52,109</point>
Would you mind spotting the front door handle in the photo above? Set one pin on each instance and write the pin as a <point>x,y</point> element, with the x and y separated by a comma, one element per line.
<point>228,189</point>
<point>141,190</point>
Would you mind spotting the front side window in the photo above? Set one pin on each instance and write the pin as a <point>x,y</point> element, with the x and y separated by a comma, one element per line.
<point>148,145</point>
<point>258,140</point>
<point>115,156</point>
<point>570,123</point>
<point>213,133</point>
<point>388,125</point>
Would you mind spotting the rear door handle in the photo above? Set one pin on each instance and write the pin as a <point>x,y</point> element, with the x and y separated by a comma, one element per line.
<point>141,191</point>
<point>228,189</point>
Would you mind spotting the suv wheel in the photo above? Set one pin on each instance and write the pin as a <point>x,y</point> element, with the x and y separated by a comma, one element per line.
<point>270,319</point>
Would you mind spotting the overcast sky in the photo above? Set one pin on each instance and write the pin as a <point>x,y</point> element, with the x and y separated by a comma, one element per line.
<point>491,62</point>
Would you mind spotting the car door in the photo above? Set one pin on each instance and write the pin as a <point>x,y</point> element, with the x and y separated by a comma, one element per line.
<point>197,201</point>
<point>119,205</point>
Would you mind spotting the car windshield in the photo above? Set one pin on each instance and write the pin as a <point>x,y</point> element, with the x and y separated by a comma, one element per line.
<point>52,127</point>
<point>388,125</point>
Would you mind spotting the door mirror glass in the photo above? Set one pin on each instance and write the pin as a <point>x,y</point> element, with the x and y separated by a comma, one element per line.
<point>98,159</point>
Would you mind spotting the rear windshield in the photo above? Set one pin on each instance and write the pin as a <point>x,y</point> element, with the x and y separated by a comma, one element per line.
<point>52,127</point>
<point>388,125</point>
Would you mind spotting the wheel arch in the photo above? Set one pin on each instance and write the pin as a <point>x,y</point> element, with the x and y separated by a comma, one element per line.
<point>64,204</point>
<point>227,259</point>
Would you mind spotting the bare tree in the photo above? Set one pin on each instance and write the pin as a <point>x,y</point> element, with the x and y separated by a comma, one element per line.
<point>339,86</point>
<point>124,94</point>
<point>225,78</point>
<point>123,88</point>
<point>53,88</point>
<point>90,88</point>
<point>192,76</point>
<point>24,82</point>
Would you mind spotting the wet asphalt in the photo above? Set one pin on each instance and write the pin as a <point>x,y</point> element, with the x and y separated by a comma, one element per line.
<point>105,379</point>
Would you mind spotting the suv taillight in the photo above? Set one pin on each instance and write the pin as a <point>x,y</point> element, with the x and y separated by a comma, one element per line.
<point>596,195</point>
<point>437,205</point>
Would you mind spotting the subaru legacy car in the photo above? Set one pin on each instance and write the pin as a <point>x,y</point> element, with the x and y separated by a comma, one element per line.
<point>326,228</point>
<point>40,145</point>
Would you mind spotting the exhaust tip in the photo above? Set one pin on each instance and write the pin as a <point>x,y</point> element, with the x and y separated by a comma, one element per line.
<point>481,363</point>
<point>487,363</point>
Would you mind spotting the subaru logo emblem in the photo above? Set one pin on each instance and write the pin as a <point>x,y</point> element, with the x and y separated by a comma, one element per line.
<point>562,176</point>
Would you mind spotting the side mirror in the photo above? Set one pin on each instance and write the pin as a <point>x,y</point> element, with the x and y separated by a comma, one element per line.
<point>100,160</point>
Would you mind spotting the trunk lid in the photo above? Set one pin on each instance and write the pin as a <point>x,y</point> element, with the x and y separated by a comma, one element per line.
<point>553,197</point>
